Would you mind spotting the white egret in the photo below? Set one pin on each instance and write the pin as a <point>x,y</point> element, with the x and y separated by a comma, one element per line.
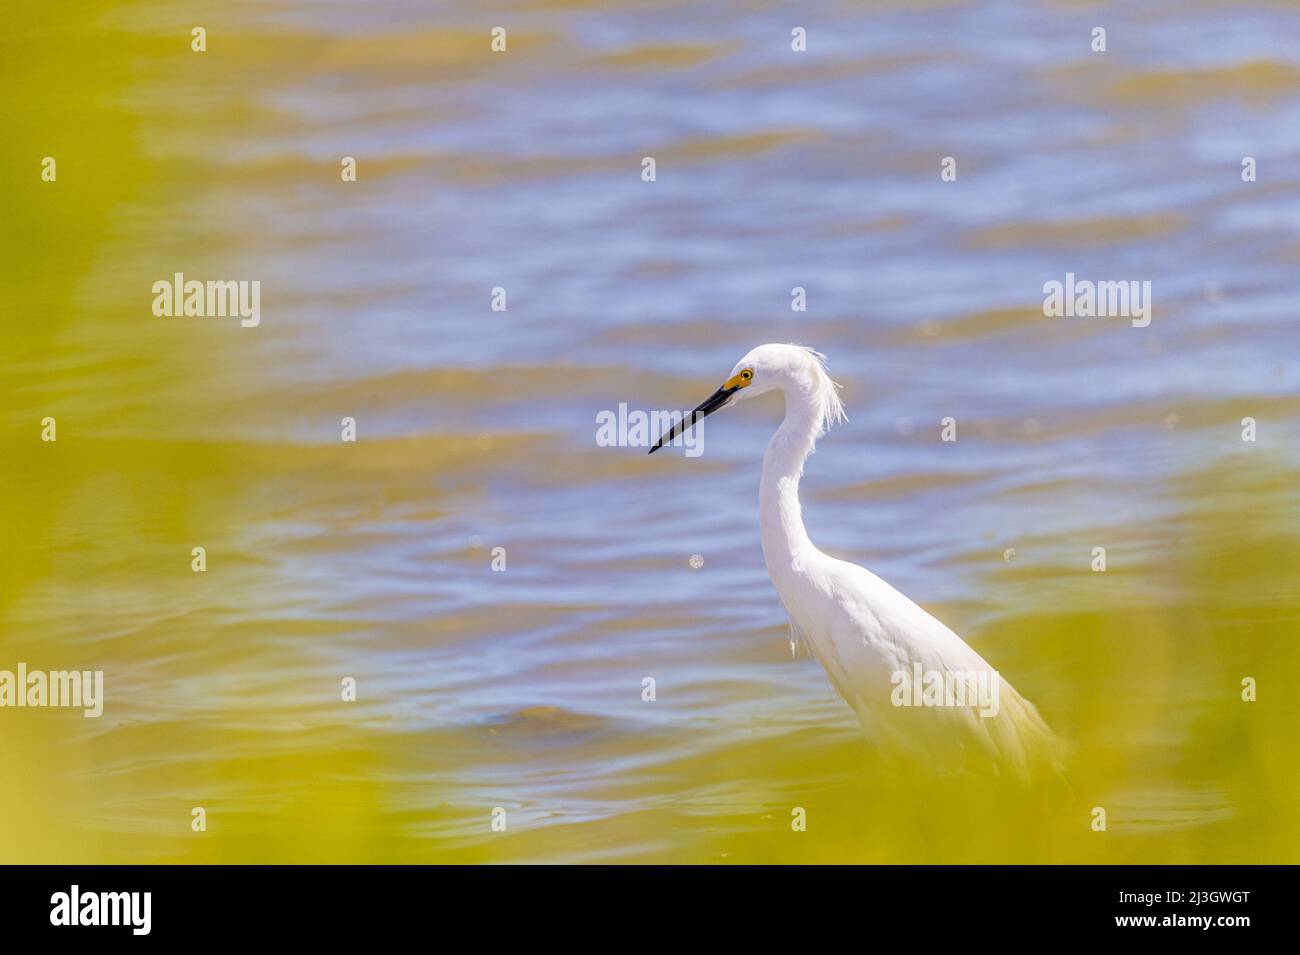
<point>917,687</point>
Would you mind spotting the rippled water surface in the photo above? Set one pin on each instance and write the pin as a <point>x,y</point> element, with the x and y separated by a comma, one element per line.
<point>522,688</point>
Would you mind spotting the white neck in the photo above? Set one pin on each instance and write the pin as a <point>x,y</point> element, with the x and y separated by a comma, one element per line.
<point>780,518</point>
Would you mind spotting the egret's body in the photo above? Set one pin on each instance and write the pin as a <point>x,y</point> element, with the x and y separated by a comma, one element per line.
<point>863,631</point>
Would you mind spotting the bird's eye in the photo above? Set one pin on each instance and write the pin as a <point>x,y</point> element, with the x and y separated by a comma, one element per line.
<point>746,375</point>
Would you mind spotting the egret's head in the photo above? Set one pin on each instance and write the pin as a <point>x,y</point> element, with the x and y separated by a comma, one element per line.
<point>793,369</point>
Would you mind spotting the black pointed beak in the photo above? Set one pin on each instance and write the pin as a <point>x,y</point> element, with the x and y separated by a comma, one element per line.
<point>709,405</point>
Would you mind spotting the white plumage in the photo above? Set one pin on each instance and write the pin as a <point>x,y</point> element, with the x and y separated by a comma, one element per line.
<point>872,640</point>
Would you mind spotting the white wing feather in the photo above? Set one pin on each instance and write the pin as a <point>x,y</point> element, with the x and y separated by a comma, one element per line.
<point>872,632</point>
